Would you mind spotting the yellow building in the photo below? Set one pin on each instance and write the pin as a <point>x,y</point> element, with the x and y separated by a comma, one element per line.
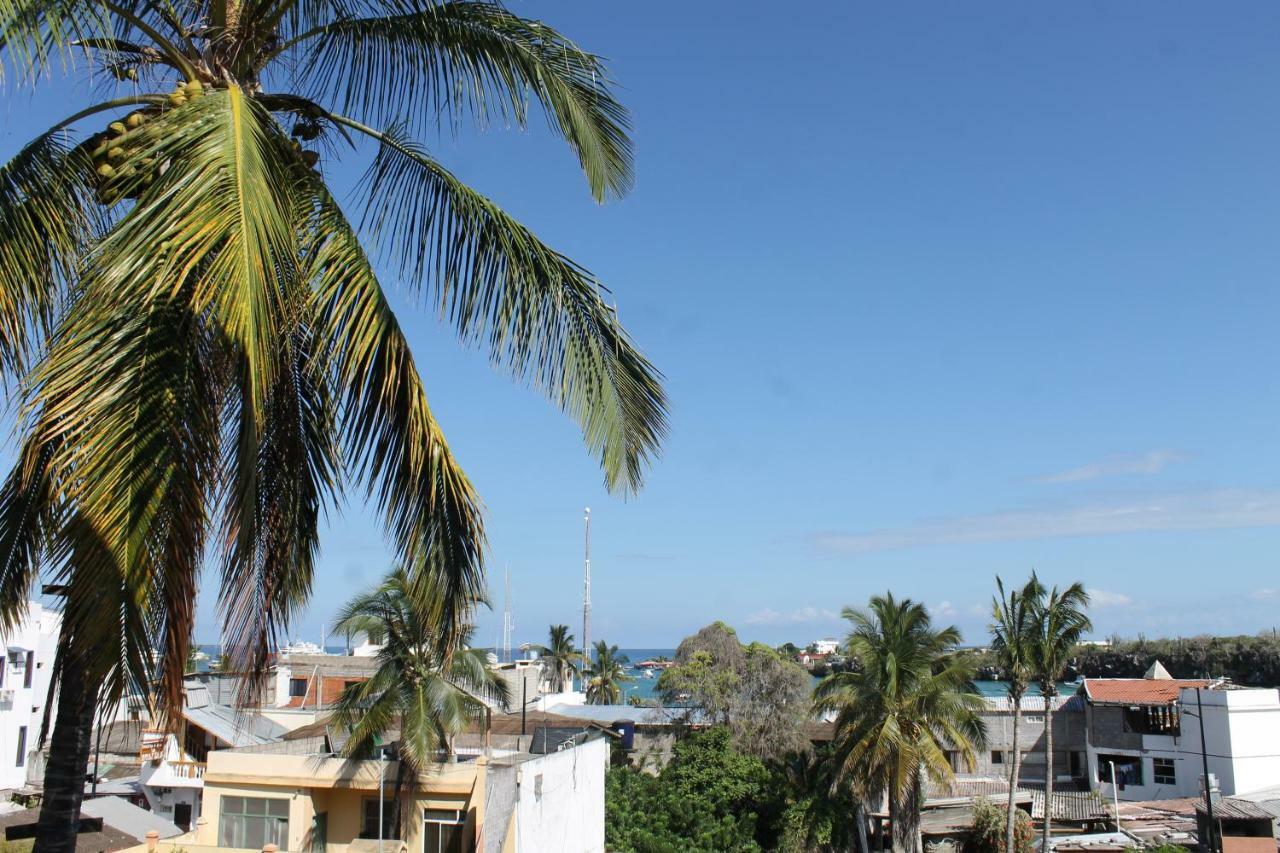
<point>316,802</point>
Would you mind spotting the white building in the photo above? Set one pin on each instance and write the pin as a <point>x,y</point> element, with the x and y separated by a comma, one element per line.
<point>1146,731</point>
<point>827,646</point>
<point>25,670</point>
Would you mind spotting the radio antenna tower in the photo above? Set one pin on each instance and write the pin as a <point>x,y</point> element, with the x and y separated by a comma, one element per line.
<point>508,621</point>
<point>586,594</point>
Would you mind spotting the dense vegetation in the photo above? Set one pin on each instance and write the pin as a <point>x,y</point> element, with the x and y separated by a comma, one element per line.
<point>1248,660</point>
<point>712,797</point>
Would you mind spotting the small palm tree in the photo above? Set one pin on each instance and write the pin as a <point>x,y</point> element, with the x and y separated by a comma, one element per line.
<point>1061,623</point>
<point>426,691</point>
<point>896,719</point>
<point>560,655</point>
<point>1013,635</point>
<point>606,675</point>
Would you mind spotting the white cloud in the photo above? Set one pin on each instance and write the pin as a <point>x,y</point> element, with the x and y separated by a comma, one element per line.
<point>1106,598</point>
<point>799,616</point>
<point>1151,462</point>
<point>942,610</point>
<point>1208,510</point>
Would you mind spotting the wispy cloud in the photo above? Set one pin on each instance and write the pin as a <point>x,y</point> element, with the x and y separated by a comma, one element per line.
<point>1107,598</point>
<point>800,616</point>
<point>1207,510</point>
<point>1151,462</point>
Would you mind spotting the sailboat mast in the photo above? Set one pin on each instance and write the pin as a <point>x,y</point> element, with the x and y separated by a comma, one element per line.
<point>586,590</point>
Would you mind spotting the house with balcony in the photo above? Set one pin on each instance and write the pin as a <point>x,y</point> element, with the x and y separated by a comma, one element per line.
<point>172,763</point>
<point>1144,735</point>
<point>489,794</point>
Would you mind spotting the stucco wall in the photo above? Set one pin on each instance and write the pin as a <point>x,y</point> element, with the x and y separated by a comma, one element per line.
<point>560,801</point>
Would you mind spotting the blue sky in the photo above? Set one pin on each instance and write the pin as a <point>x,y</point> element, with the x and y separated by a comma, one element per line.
<point>940,292</point>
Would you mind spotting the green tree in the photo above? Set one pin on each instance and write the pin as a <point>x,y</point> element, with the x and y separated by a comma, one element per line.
<point>762,697</point>
<point>1013,636</point>
<point>204,353</point>
<point>789,650</point>
<point>818,811</point>
<point>705,800</point>
<point>606,675</point>
<point>560,655</point>
<point>912,701</point>
<point>1061,623</point>
<point>422,688</point>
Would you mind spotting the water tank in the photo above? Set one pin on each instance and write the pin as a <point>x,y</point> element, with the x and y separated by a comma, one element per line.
<point>626,728</point>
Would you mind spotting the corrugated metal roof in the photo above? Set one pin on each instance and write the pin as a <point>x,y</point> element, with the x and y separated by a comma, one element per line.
<point>227,724</point>
<point>126,817</point>
<point>1229,808</point>
<point>1077,806</point>
<point>610,714</point>
<point>1034,704</point>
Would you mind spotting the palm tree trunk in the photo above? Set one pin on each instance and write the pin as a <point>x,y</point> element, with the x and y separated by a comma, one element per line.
<point>64,774</point>
<point>860,822</point>
<point>1011,818</point>
<point>1048,766</point>
<point>906,822</point>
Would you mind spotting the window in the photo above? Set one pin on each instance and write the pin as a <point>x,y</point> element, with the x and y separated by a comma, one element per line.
<point>442,831</point>
<point>22,746</point>
<point>1162,771</point>
<point>30,670</point>
<point>1153,719</point>
<point>997,757</point>
<point>3,661</point>
<point>251,822</point>
<point>297,687</point>
<point>1034,719</point>
<point>369,826</point>
<point>1128,769</point>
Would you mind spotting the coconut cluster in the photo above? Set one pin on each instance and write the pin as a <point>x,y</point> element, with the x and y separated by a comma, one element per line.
<point>122,170</point>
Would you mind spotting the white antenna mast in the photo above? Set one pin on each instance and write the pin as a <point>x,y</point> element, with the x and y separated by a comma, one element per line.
<point>508,623</point>
<point>586,591</point>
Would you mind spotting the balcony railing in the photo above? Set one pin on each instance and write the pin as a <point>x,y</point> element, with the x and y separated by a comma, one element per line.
<point>187,769</point>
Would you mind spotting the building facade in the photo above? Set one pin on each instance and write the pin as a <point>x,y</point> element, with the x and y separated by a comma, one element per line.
<point>25,671</point>
<point>1144,736</point>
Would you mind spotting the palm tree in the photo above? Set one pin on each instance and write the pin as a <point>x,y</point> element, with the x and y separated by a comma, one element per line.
<point>203,351</point>
<point>606,675</point>
<point>561,656</point>
<point>1061,622</point>
<point>897,718</point>
<point>426,690</point>
<point>1013,624</point>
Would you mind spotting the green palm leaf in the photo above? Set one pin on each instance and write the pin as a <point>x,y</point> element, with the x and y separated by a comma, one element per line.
<point>428,58</point>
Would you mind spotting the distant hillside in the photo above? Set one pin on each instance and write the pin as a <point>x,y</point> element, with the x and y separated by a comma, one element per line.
<point>1245,660</point>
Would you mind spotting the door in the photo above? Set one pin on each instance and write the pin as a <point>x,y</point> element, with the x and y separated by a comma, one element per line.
<point>182,815</point>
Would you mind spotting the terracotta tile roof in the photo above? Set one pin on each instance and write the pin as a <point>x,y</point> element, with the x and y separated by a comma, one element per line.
<point>1236,844</point>
<point>1138,691</point>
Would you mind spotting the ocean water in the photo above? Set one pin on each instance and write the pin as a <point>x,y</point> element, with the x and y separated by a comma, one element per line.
<point>644,687</point>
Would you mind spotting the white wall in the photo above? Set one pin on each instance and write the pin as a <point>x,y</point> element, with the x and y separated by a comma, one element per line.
<point>22,706</point>
<point>560,800</point>
<point>1242,732</point>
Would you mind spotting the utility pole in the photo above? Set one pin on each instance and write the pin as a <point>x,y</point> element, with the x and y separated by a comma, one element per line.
<point>586,596</point>
<point>1212,845</point>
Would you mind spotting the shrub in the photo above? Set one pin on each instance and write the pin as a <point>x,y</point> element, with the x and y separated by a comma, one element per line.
<point>989,823</point>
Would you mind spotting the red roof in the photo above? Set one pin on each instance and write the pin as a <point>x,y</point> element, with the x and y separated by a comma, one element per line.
<point>1138,691</point>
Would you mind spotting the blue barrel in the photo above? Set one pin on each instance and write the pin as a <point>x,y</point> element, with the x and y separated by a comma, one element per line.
<point>626,728</point>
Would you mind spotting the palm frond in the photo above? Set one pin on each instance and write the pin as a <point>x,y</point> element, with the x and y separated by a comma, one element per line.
<point>432,513</point>
<point>431,58</point>
<point>47,220</point>
<point>541,316</point>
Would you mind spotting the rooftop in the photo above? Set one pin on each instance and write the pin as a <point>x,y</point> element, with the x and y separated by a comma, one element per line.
<point>1138,691</point>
